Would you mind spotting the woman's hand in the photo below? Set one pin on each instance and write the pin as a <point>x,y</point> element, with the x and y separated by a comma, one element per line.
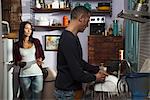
<point>39,61</point>
<point>21,64</point>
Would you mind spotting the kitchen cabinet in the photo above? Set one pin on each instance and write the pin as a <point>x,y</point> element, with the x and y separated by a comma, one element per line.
<point>104,49</point>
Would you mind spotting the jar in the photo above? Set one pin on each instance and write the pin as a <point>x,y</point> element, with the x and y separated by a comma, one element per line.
<point>61,4</point>
<point>65,21</point>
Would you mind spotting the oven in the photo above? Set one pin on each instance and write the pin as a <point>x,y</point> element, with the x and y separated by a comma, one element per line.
<point>97,25</point>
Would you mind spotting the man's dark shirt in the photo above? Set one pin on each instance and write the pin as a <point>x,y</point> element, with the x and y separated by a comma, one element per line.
<point>72,69</point>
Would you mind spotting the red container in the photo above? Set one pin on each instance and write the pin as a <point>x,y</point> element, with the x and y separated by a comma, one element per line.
<point>65,21</point>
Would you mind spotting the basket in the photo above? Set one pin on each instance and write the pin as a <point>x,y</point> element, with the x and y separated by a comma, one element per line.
<point>139,85</point>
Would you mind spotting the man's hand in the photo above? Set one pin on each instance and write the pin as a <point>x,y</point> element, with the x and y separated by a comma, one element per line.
<point>103,72</point>
<point>100,76</point>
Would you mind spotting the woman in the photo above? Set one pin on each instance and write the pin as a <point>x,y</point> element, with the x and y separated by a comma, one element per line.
<point>28,54</point>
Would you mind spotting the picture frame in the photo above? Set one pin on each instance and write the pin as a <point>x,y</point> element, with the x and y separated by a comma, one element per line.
<point>51,42</point>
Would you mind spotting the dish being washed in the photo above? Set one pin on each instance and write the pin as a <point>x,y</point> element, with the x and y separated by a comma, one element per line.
<point>110,84</point>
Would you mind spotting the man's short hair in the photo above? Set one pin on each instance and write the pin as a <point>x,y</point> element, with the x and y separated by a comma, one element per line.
<point>77,11</point>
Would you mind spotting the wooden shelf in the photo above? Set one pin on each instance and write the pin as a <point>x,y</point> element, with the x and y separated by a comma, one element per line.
<point>46,10</point>
<point>98,12</point>
<point>48,28</point>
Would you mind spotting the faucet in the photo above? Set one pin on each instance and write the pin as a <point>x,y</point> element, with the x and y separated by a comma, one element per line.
<point>124,67</point>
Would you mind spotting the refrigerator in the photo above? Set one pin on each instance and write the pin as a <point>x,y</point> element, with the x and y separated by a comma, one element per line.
<point>7,45</point>
<point>8,68</point>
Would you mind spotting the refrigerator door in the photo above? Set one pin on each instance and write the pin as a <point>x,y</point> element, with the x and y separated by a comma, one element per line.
<point>7,57</point>
<point>8,50</point>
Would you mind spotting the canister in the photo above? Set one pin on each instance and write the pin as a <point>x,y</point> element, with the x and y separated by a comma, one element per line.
<point>115,28</point>
<point>61,5</point>
<point>65,21</point>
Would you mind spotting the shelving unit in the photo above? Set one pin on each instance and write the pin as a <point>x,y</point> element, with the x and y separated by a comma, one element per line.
<point>103,13</point>
<point>94,11</point>
<point>46,10</point>
<point>48,28</point>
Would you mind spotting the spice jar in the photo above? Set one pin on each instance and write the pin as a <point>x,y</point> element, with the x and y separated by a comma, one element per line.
<point>65,21</point>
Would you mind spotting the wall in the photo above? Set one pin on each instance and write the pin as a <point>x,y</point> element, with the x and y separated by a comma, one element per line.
<point>50,60</point>
<point>11,12</point>
<point>1,57</point>
<point>117,7</point>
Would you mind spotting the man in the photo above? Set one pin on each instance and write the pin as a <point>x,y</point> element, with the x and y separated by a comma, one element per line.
<point>72,69</point>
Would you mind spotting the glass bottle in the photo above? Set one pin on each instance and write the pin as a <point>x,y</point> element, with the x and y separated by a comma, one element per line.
<point>42,3</point>
<point>37,4</point>
<point>115,27</point>
<point>67,3</point>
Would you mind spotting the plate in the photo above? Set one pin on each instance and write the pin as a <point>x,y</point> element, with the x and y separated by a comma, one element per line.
<point>110,84</point>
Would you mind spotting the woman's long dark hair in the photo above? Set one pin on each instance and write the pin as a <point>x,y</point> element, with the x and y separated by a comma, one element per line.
<point>21,33</point>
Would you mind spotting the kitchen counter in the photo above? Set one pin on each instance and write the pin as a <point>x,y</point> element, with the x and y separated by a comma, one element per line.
<point>11,35</point>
